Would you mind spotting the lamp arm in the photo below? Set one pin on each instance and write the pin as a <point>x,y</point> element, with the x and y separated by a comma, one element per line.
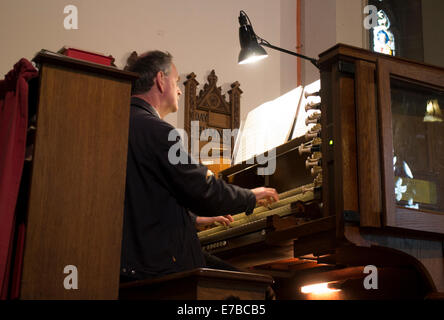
<point>265,43</point>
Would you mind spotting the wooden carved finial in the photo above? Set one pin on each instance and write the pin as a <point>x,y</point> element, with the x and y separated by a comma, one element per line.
<point>212,78</point>
<point>235,88</point>
<point>191,78</point>
<point>235,84</point>
<point>192,75</point>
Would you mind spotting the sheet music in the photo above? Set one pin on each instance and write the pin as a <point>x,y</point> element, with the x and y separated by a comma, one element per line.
<point>268,126</point>
<point>301,128</point>
<point>237,142</point>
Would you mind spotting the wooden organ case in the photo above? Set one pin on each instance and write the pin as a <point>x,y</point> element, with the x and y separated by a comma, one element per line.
<point>73,184</point>
<point>368,196</point>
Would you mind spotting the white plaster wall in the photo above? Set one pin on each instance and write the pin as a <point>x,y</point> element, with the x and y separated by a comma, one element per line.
<point>288,41</point>
<point>326,23</point>
<point>201,34</point>
<point>318,33</point>
<point>350,22</point>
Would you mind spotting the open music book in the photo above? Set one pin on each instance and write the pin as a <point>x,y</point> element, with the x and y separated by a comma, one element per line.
<point>274,123</point>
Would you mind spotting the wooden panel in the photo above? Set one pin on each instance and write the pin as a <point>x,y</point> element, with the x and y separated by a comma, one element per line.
<point>219,120</point>
<point>317,244</point>
<point>303,230</point>
<point>226,291</point>
<point>200,115</point>
<point>369,172</point>
<point>326,135</point>
<point>426,254</point>
<point>345,183</point>
<point>348,166</point>
<point>290,170</point>
<point>415,220</point>
<point>200,284</point>
<point>77,188</point>
<point>385,120</point>
<point>340,187</point>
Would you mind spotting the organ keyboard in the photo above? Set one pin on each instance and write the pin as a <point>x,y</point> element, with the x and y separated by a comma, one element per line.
<point>257,220</point>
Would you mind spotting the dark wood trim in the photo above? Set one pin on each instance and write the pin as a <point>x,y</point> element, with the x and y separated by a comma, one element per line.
<point>48,57</point>
<point>342,50</point>
<point>346,175</point>
<point>302,230</point>
<point>203,273</point>
<point>369,171</point>
<point>385,120</point>
<point>289,146</point>
<point>419,220</point>
<point>199,284</point>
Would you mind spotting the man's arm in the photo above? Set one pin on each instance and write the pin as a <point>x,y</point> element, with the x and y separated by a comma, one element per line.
<point>190,185</point>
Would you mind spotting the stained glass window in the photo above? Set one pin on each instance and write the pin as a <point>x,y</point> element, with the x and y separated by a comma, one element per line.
<point>383,38</point>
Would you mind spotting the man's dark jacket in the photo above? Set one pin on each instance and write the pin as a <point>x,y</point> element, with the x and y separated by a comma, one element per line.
<point>159,236</point>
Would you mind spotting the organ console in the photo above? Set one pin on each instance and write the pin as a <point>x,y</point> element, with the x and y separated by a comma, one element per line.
<point>361,188</point>
<point>339,210</point>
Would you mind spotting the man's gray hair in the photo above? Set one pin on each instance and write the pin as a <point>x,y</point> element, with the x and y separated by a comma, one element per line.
<point>147,66</point>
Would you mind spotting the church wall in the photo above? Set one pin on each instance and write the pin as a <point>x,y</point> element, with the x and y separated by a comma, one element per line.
<point>349,22</point>
<point>202,35</point>
<point>318,33</point>
<point>326,23</point>
<point>288,63</point>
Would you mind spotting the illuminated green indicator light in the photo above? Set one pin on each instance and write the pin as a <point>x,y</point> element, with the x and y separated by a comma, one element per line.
<point>330,142</point>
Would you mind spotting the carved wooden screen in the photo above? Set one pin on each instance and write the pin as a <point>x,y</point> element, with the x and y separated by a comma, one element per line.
<point>211,110</point>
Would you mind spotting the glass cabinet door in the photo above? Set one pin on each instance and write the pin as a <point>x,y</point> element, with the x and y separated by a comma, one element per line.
<point>411,121</point>
<point>418,146</point>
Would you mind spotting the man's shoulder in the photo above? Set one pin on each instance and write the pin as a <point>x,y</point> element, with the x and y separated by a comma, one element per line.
<point>142,120</point>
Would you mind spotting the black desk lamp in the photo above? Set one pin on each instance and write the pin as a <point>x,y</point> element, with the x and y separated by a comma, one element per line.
<point>251,49</point>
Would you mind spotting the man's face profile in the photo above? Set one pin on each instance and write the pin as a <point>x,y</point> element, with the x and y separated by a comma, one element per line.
<point>172,90</point>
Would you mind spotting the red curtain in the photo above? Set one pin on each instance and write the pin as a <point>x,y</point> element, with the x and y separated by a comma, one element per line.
<point>13,128</point>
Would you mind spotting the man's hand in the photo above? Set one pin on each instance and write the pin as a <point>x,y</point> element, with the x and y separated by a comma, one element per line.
<point>204,221</point>
<point>265,196</point>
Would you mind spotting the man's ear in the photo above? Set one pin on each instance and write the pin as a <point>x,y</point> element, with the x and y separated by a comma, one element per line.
<point>160,81</point>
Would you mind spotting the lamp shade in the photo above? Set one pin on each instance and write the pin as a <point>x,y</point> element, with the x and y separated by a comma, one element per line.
<point>251,51</point>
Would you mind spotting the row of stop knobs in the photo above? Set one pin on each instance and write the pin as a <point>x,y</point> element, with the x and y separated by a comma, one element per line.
<point>313,136</point>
